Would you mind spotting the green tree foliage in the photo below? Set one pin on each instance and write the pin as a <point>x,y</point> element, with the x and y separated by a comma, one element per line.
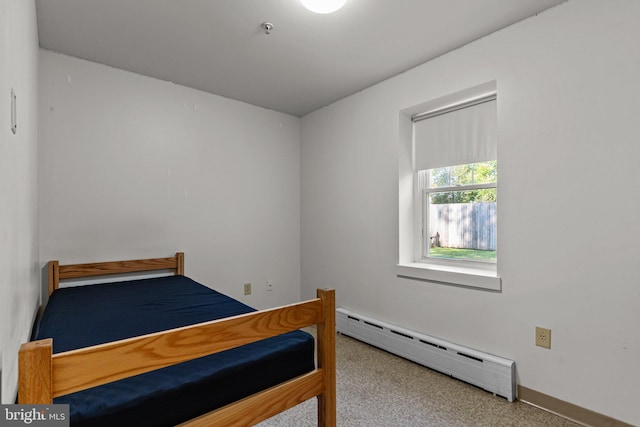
<point>461,175</point>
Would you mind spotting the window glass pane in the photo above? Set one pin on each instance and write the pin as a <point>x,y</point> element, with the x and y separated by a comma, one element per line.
<point>485,172</point>
<point>464,196</point>
<point>462,224</point>
<point>460,175</point>
<point>440,177</point>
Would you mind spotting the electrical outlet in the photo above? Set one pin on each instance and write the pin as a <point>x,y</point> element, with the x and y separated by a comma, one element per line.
<point>269,285</point>
<point>543,337</point>
<point>247,288</point>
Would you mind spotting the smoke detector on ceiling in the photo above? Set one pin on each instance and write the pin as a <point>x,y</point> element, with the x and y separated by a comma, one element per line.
<point>267,27</point>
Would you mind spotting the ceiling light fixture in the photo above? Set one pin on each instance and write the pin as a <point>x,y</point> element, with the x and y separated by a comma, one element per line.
<point>323,6</point>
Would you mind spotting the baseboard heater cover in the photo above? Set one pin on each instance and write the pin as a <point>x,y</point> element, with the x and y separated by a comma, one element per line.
<point>491,373</point>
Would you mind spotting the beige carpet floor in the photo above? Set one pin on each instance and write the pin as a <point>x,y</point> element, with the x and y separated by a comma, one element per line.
<point>375,388</point>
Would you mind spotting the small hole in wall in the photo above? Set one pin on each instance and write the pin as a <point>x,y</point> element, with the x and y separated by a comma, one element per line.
<point>14,121</point>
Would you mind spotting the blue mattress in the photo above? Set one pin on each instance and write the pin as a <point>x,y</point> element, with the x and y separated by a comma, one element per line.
<point>89,315</point>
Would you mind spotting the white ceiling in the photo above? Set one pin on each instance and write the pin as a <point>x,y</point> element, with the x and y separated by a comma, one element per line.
<point>307,62</point>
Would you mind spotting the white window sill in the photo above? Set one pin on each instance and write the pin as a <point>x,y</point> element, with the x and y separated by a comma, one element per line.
<point>454,275</point>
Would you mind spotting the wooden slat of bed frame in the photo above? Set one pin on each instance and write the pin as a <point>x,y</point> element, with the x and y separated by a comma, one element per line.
<point>102,268</point>
<point>59,272</point>
<point>92,366</point>
<point>261,406</point>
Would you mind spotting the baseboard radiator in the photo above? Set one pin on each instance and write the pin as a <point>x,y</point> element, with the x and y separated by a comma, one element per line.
<point>491,373</point>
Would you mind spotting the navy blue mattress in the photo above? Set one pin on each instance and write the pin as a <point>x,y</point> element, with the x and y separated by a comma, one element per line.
<point>89,315</point>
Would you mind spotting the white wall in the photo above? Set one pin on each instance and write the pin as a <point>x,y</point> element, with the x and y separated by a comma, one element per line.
<point>135,167</point>
<point>569,216</point>
<point>19,270</point>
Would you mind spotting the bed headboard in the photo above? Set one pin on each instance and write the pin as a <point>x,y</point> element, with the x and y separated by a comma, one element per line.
<point>59,272</point>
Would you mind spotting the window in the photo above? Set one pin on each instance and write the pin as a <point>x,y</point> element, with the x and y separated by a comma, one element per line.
<point>459,212</point>
<point>456,167</point>
<point>448,190</point>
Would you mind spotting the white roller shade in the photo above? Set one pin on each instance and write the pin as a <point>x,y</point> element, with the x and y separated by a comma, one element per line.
<point>458,136</point>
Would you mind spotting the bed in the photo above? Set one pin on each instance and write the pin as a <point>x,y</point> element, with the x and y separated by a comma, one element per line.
<point>175,353</point>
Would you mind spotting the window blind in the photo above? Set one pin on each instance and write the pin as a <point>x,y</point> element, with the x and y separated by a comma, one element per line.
<point>456,134</point>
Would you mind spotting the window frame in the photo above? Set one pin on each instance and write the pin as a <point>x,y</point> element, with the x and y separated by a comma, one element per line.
<point>440,271</point>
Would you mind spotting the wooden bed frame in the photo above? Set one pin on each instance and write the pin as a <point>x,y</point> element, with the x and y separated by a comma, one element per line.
<point>43,376</point>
